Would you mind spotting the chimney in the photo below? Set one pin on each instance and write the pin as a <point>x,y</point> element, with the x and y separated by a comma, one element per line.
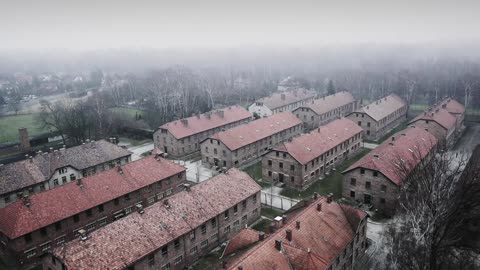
<point>284,219</point>
<point>278,245</point>
<point>139,207</point>
<point>208,115</point>
<point>315,195</point>
<point>319,207</point>
<point>120,170</point>
<point>393,139</point>
<point>79,182</point>
<point>297,225</point>
<point>83,234</point>
<point>282,96</point>
<point>444,105</point>
<point>166,204</point>
<point>261,236</point>
<point>186,187</point>
<point>288,235</point>
<point>26,200</point>
<point>184,121</point>
<point>221,113</point>
<point>330,198</point>
<point>51,149</point>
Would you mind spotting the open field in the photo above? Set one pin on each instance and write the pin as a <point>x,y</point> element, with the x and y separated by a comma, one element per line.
<point>333,183</point>
<point>130,112</point>
<point>9,126</point>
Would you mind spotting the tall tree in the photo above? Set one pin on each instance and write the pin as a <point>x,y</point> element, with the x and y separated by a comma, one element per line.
<point>330,88</point>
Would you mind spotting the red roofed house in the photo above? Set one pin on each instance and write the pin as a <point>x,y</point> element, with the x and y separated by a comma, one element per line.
<point>168,235</point>
<point>245,143</point>
<point>306,158</point>
<point>323,110</point>
<point>324,235</point>
<point>281,102</point>
<point>182,137</point>
<point>445,121</point>
<point>32,226</point>
<point>380,116</point>
<point>376,178</point>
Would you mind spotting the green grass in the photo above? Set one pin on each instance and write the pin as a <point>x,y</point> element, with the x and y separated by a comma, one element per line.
<point>130,112</point>
<point>333,183</point>
<point>270,212</point>
<point>262,225</point>
<point>208,261</point>
<point>9,126</point>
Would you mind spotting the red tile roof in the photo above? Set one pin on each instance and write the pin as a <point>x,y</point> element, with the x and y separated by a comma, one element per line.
<point>309,146</point>
<point>242,239</point>
<point>328,103</point>
<point>206,121</point>
<point>275,100</point>
<point>65,201</point>
<point>438,115</point>
<point>246,134</point>
<point>331,228</point>
<point>410,146</point>
<point>123,242</point>
<point>383,107</point>
<point>452,106</point>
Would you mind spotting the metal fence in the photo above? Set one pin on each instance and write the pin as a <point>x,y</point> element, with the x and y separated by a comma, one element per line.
<point>277,201</point>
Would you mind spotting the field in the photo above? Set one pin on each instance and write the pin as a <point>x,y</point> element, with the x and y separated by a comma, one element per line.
<point>9,126</point>
<point>130,112</point>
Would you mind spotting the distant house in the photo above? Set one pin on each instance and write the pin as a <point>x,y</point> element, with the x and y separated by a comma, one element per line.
<point>169,235</point>
<point>321,235</point>
<point>49,170</point>
<point>33,226</point>
<point>380,116</point>
<point>323,110</point>
<point>182,137</point>
<point>248,142</point>
<point>444,120</point>
<point>281,102</point>
<point>289,83</point>
<point>376,178</point>
<point>303,160</point>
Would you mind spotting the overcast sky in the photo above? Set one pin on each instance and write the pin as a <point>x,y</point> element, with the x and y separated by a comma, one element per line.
<point>102,24</point>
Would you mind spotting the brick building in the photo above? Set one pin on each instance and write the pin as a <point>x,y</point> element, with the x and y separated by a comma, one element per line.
<point>380,116</point>
<point>32,226</point>
<point>245,143</point>
<point>444,120</point>
<point>377,177</point>
<point>306,158</point>
<point>322,235</point>
<point>45,171</point>
<point>281,102</point>
<point>182,137</point>
<point>168,235</point>
<point>323,110</point>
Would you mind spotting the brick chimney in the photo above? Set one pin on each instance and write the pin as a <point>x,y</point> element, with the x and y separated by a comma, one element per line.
<point>319,207</point>
<point>288,235</point>
<point>297,224</point>
<point>24,141</point>
<point>330,198</point>
<point>261,236</point>
<point>315,195</point>
<point>221,113</point>
<point>184,121</point>
<point>278,245</point>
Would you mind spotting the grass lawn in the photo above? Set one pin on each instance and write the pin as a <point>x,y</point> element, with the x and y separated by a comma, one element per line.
<point>262,225</point>
<point>130,112</point>
<point>333,183</point>
<point>270,212</point>
<point>9,126</point>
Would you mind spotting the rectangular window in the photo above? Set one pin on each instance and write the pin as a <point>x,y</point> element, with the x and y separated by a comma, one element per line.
<point>116,201</point>
<point>227,229</point>
<point>169,191</point>
<point>269,173</point>
<point>60,240</point>
<point>166,266</point>
<point>192,235</point>
<point>280,165</point>
<point>126,197</point>
<point>226,214</point>
<point>151,259</point>
<point>102,221</point>
<point>235,209</point>
<point>269,162</point>
<point>176,244</point>
<point>55,182</point>
<point>362,171</point>
<point>352,194</point>
<point>214,222</point>
<point>375,173</point>
<point>45,247</point>
<point>383,188</point>
<point>368,185</point>
<point>165,250</point>
<point>353,181</point>
<point>90,227</point>
<point>64,180</point>
<point>43,231</point>
<point>30,253</point>
<point>203,229</point>
<point>204,244</point>
<point>178,260</point>
<point>193,250</point>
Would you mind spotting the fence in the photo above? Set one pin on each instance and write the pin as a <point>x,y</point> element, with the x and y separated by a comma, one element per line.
<point>277,201</point>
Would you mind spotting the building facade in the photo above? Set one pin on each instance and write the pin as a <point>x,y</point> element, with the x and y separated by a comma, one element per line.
<point>326,109</point>
<point>248,142</point>
<point>308,157</point>
<point>376,178</point>
<point>324,235</point>
<point>168,235</point>
<point>31,227</point>
<point>182,137</point>
<point>45,171</point>
<point>444,120</point>
<point>381,116</point>
<point>281,102</point>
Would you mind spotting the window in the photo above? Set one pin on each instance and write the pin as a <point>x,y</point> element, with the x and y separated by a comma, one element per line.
<point>127,197</point>
<point>100,208</point>
<point>368,185</point>
<point>63,170</point>
<point>368,124</point>
<point>236,225</point>
<point>244,219</point>
<point>292,179</point>
<point>227,229</point>
<point>55,182</point>
<point>166,266</point>
<point>178,260</point>
<point>235,209</point>
<point>203,229</point>
<point>269,162</point>
<point>193,250</point>
<point>76,218</point>
<point>360,123</point>
<point>226,214</point>
<point>30,253</point>
<point>192,235</point>
<point>292,168</point>
<point>151,259</point>
<point>214,237</point>
<point>159,196</point>
<point>280,165</point>
<point>64,179</point>
<point>128,210</point>
<point>375,173</point>
<point>102,221</point>
<point>60,240</point>
<point>254,198</point>
<point>90,227</point>
<point>58,226</point>
<point>89,212</point>
<point>176,244</point>
<point>362,171</point>
<point>383,188</point>
<point>204,244</point>
<point>353,181</point>
<point>215,151</point>
<point>352,194</point>
<point>151,200</point>
<point>269,173</point>
<point>169,191</point>
<point>244,204</point>
<point>277,153</point>
<point>214,222</point>
<point>165,250</point>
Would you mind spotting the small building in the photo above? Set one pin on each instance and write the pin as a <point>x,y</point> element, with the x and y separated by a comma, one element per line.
<point>444,120</point>
<point>168,235</point>
<point>31,227</point>
<point>289,83</point>
<point>323,110</point>
<point>321,235</point>
<point>45,171</point>
<point>248,142</point>
<point>307,158</point>
<point>380,116</point>
<point>182,137</point>
<point>281,102</point>
<point>376,178</point>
